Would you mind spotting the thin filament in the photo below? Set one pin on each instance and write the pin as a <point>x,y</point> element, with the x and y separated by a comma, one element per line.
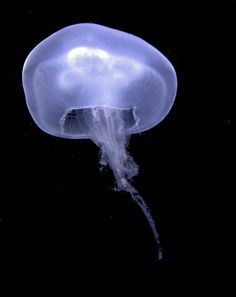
<point>108,130</point>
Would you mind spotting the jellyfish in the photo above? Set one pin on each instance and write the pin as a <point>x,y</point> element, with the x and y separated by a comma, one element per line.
<point>90,81</point>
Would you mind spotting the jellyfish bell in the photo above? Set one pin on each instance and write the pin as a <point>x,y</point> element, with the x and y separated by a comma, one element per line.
<point>90,81</point>
<point>88,65</point>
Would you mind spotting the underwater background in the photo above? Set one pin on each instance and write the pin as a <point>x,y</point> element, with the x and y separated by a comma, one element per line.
<point>59,213</point>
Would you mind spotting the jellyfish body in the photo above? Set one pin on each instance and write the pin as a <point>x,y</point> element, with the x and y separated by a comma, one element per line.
<point>90,81</point>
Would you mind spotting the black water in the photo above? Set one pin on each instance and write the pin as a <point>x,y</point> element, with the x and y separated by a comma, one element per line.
<point>58,212</point>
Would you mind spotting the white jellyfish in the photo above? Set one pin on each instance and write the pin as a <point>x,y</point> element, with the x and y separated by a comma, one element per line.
<point>90,81</point>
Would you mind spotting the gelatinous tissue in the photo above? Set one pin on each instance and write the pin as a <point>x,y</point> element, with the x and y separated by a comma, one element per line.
<point>90,81</point>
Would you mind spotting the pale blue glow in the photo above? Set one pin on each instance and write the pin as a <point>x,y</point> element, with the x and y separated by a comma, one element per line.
<point>90,81</point>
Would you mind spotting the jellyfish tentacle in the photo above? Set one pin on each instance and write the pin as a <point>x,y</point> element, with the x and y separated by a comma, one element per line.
<point>108,131</point>
<point>146,211</point>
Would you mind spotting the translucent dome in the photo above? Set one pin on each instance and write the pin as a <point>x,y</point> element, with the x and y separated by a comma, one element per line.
<point>87,66</point>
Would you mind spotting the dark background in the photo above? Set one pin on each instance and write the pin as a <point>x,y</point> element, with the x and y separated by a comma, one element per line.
<point>58,213</point>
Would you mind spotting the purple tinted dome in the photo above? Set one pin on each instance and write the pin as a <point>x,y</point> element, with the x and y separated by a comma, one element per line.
<point>87,66</point>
